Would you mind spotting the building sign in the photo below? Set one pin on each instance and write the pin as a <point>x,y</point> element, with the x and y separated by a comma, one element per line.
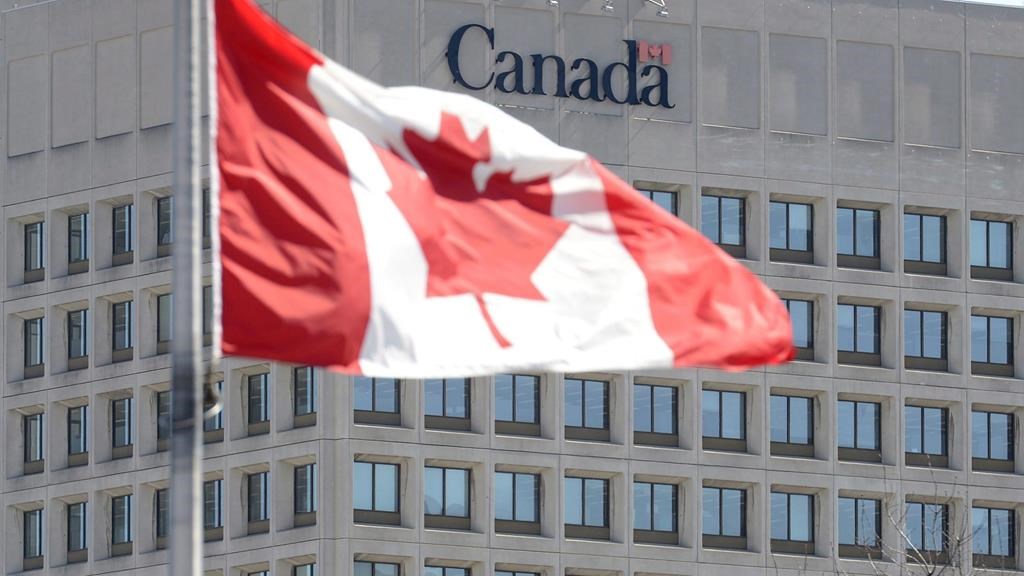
<point>584,79</point>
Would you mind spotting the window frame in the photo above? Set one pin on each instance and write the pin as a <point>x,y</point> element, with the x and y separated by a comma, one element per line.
<point>83,426</point>
<point>445,520</point>
<point>213,426</point>
<point>373,515</point>
<point>122,444</point>
<point>517,426</point>
<point>788,447</point>
<point>583,530</point>
<point>162,516</point>
<point>80,263</point>
<point>789,545</point>
<point>923,457</point>
<point>921,361</point>
<point>32,533</point>
<point>652,535</point>
<point>719,539</point>
<point>257,501</point>
<point>856,452</point>
<point>987,367</point>
<point>305,497</point>
<point>121,341</point>
<point>34,237</point>
<point>651,193</point>
<point>257,414</point>
<point>121,246</point>
<point>304,412</point>
<point>584,432</point>
<point>512,525</point>
<point>803,352</point>
<point>855,260</point>
<point>34,343</point>
<point>164,322</point>
<point>857,356</point>
<point>920,265</point>
<point>720,441</point>
<point>163,419</point>
<point>915,551</point>
<point>33,453</point>
<point>652,437</point>
<point>373,566</point>
<point>164,224</point>
<point>987,462</point>
<point>987,559</point>
<point>374,415</point>
<point>79,536</point>
<point>78,347</point>
<point>217,486</point>
<point>445,421</point>
<point>857,550</point>
<point>787,253</point>
<point>735,250</point>
<point>987,271</point>
<point>121,535</point>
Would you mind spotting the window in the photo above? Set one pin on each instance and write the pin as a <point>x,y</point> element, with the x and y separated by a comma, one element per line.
<point>790,237</point>
<point>164,322</point>
<point>663,198</point>
<point>258,404</point>
<point>992,538</point>
<point>801,315</point>
<point>212,505</point>
<point>724,517</point>
<point>722,221</point>
<point>859,334</point>
<point>32,430</point>
<point>860,431</point>
<point>792,523</point>
<point>121,313</point>
<point>586,508</point>
<point>207,314</point>
<point>34,252</point>
<point>78,426</point>
<point>516,502</point>
<point>213,426</point>
<point>33,525</point>
<point>78,243</point>
<point>33,347</point>
<point>121,524</point>
<point>991,345</point>
<point>926,526</point>
<point>586,410</point>
<point>924,244</point>
<point>77,529</point>
<point>924,340</point>
<point>654,414</point>
<point>121,427</point>
<point>163,419</point>
<point>857,238</point>
<point>305,494</point>
<point>376,498</point>
<point>304,396</point>
<point>377,569</point>
<point>991,250</point>
<point>724,420</point>
<point>258,501</point>
<point>446,497</point>
<point>992,441</point>
<point>860,528</point>
<point>654,513</point>
<point>207,209</point>
<point>378,401</point>
<point>516,404</point>
<point>447,403</point>
<point>162,511</point>
<point>926,436</point>
<point>792,427</point>
<point>78,351</point>
<point>164,225</point>
<point>445,571</point>
<point>304,570</point>
<point>122,240</point>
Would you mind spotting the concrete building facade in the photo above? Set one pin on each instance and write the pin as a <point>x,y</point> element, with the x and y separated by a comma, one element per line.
<point>865,157</point>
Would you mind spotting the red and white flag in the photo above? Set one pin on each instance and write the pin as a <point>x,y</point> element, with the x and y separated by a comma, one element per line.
<point>411,232</point>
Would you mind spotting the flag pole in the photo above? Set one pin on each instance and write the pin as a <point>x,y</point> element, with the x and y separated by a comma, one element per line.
<point>186,349</point>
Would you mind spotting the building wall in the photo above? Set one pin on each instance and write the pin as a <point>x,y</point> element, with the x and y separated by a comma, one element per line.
<point>876,103</point>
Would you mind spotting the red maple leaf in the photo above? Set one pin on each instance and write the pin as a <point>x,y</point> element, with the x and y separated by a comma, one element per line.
<point>475,242</point>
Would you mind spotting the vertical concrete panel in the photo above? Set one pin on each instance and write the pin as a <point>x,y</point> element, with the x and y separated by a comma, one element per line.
<point>156,49</point>
<point>731,78</point>
<point>931,97</point>
<point>114,18</point>
<point>798,81</point>
<point>440,19</point>
<point>27,95</point>
<point>666,137</point>
<point>865,91</point>
<point>70,24</point>
<point>72,96</point>
<point>535,34</point>
<point>116,88</point>
<point>384,40</point>
<point>997,111</point>
<point>995,55</point>
<point>302,17</point>
<point>154,14</point>
<point>598,127</point>
<point>25,32</point>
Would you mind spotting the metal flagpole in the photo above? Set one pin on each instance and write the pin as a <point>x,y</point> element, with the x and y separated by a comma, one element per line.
<point>186,348</point>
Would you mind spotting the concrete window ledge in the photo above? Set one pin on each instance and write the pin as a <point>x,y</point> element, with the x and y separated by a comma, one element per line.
<point>213,436</point>
<point>122,549</point>
<point>656,537</point>
<point>118,452</point>
<point>258,428</point>
<point>34,467</point>
<point>988,369</point>
<point>588,532</point>
<point>517,527</point>
<point>76,556</point>
<point>447,423</point>
<point>377,418</point>
<point>446,522</point>
<point>258,527</point>
<point>36,371</point>
<point>977,273</point>
<point>79,363</point>
<point>80,459</point>
<point>122,355</point>
<point>724,542</point>
<point>305,519</point>
<point>122,258</point>
<point>792,547</point>
<point>990,465</point>
<point>304,420</point>
<point>375,517</point>
<point>34,563</point>
<point>213,534</point>
<point>37,275</point>
<point>78,267</point>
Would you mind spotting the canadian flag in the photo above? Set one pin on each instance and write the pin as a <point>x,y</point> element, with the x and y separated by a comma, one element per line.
<point>410,232</point>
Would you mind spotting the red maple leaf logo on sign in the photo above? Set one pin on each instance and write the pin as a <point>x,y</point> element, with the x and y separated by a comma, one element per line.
<point>475,241</point>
